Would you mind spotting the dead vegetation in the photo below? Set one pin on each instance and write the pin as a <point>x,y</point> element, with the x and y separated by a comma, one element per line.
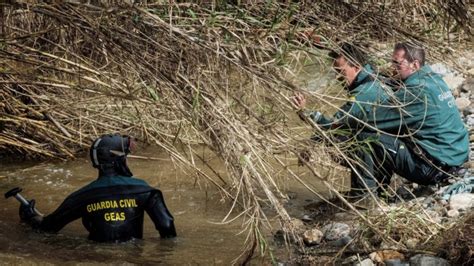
<point>457,243</point>
<point>187,74</point>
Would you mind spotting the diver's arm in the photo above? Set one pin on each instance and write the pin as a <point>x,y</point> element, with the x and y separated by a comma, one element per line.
<point>160,215</point>
<point>67,212</point>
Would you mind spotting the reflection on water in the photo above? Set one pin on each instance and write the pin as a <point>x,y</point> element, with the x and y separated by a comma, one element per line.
<point>195,209</point>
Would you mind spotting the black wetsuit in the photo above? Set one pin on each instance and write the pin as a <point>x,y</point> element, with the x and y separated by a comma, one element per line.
<point>112,209</point>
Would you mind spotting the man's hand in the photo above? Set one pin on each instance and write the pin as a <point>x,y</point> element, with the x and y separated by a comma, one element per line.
<point>28,212</point>
<point>299,100</point>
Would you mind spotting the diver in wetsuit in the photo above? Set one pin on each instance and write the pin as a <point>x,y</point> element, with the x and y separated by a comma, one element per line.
<point>111,207</point>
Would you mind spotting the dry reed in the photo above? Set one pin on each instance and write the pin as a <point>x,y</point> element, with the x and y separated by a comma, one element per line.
<point>187,74</point>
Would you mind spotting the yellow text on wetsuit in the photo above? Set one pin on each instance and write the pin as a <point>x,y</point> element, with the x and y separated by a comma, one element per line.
<point>108,204</point>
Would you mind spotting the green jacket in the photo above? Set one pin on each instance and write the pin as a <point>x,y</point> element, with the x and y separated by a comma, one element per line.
<point>365,92</point>
<point>428,112</point>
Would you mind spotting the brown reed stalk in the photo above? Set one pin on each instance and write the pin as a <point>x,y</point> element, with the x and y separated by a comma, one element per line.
<point>189,74</point>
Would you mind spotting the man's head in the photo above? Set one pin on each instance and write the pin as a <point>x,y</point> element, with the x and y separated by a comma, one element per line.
<point>108,154</point>
<point>407,58</point>
<point>348,61</point>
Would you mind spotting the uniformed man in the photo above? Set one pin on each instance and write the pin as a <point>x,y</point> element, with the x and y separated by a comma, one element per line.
<point>112,207</point>
<point>364,89</point>
<point>417,132</point>
<point>365,94</point>
<point>426,140</point>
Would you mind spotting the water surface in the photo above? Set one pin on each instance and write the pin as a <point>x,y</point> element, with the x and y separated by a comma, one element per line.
<point>195,206</point>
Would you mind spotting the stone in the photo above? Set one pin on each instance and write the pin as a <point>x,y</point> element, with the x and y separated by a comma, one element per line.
<point>470,120</point>
<point>298,225</point>
<point>395,262</point>
<point>466,62</point>
<point>466,95</point>
<point>334,231</point>
<point>426,260</point>
<point>468,111</point>
<point>341,242</point>
<point>366,262</point>
<point>382,255</point>
<point>454,82</point>
<point>374,256</point>
<point>463,103</point>
<point>452,213</point>
<point>456,93</point>
<point>411,243</point>
<point>471,71</point>
<point>468,85</point>
<point>440,69</point>
<point>462,201</point>
<point>388,245</point>
<point>312,237</point>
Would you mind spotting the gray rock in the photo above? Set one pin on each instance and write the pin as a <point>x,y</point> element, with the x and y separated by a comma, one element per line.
<point>468,85</point>
<point>341,242</point>
<point>468,111</point>
<point>395,262</point>
<point>335,231</point>
<point>440,69</point>
<point>462,201</point>
<point>412,243</point>
<point>452,213</point>
<point>426,260</point>
<point>366,262</point>
<point>462,103</point>
<point>312,237</point>
<point>470,120</point>
<point>466,95</point>
<point>454,82</point>
<point>466,61</point>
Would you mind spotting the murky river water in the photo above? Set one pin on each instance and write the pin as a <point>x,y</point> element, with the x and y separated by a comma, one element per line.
<point>195,207</point>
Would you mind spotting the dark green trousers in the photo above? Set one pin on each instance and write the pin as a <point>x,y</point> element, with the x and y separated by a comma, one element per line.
<point>381,155</point>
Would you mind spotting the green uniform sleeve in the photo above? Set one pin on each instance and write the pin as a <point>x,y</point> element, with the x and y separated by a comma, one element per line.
<point>405,110</point>
<point>355,113</point>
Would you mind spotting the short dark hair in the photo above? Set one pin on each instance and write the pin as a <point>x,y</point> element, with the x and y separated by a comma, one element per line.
<point>352,53</point>
<point>412,52</point>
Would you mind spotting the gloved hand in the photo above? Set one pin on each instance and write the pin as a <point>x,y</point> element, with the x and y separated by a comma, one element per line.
<point>27,212</point>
